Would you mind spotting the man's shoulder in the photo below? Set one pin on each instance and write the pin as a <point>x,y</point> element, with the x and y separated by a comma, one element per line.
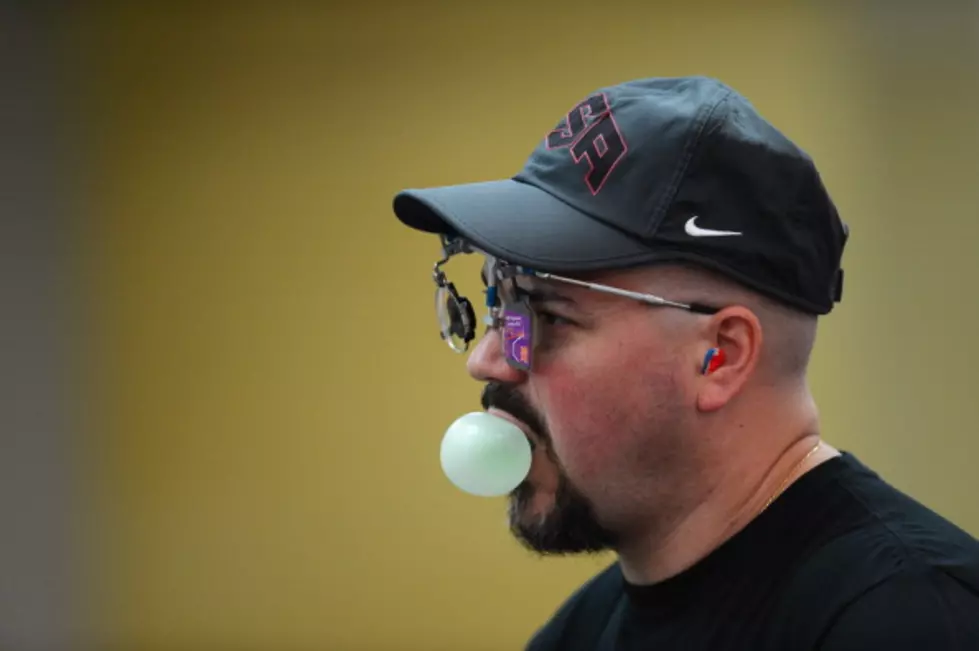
<point>590,605</point>
<point>874,561</point>
<point>886,545</point>
<point>895,534</point>
<point>888,556</point>
<point>917,607</point>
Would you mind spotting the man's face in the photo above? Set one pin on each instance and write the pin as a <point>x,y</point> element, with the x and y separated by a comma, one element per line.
<point>604,407</point>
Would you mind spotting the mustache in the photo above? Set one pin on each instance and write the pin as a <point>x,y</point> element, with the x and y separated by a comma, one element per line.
<point>506,398</point>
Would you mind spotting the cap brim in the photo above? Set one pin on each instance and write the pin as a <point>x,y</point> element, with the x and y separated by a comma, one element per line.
<point>521,224</point>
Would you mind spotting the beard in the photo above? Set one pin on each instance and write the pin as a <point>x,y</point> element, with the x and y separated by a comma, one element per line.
<point>570,524</point>
<point>568,527</point>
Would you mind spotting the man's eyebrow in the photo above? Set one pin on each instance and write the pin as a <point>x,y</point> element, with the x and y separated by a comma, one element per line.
<point>546,293</point>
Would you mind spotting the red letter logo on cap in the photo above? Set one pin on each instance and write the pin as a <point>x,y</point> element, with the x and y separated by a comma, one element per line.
<point>590,133</point>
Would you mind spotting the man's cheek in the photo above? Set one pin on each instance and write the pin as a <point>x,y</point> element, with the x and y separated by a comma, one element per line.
<point>579,423</point>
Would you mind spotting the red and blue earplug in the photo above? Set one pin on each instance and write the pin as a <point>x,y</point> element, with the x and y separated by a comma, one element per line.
<point>713,360</point>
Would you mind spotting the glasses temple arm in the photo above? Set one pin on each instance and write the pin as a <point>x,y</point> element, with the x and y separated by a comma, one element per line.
<point>650,299</point>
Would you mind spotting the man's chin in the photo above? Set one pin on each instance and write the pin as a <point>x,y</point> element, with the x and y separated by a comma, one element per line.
<point>559,524</point>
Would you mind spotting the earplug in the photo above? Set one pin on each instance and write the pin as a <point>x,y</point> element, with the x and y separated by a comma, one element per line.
<point>713,360</point>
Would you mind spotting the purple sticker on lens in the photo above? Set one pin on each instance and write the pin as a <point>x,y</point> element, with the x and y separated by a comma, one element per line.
<point>517,338</point>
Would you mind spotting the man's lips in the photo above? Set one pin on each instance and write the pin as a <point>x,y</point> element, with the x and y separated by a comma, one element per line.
<point>531,436</point>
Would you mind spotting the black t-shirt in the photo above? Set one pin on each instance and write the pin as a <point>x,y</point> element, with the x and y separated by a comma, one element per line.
<point>842,561</point>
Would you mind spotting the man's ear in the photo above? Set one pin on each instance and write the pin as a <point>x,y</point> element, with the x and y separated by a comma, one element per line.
<point>736,333</point>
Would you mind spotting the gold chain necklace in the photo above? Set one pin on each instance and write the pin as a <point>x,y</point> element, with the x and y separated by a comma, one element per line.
<point>789,476</point>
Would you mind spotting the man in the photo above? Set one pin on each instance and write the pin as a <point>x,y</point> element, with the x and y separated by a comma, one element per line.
<point>664,256</point>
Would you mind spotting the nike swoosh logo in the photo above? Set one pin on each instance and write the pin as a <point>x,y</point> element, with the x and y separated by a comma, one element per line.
<point>695,231</point>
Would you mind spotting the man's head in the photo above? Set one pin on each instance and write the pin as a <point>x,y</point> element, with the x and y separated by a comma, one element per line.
<point>673,189</point>
<point>628,428</point>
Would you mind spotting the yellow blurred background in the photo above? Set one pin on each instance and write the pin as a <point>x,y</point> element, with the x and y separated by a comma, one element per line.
<point>261,390</point>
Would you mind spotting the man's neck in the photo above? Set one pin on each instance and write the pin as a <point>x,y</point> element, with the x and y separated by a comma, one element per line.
<point>739,496</point>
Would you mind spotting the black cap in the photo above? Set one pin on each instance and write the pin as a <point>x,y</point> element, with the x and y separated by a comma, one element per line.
<point>657,170</point>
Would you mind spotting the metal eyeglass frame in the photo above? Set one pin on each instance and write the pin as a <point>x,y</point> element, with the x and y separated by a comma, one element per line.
<point>460,306</point>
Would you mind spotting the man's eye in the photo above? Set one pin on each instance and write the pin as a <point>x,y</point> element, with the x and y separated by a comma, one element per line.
<point>549,318</point>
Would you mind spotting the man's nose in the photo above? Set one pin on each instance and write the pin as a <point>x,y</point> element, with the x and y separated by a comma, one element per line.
<point>486,362</point>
